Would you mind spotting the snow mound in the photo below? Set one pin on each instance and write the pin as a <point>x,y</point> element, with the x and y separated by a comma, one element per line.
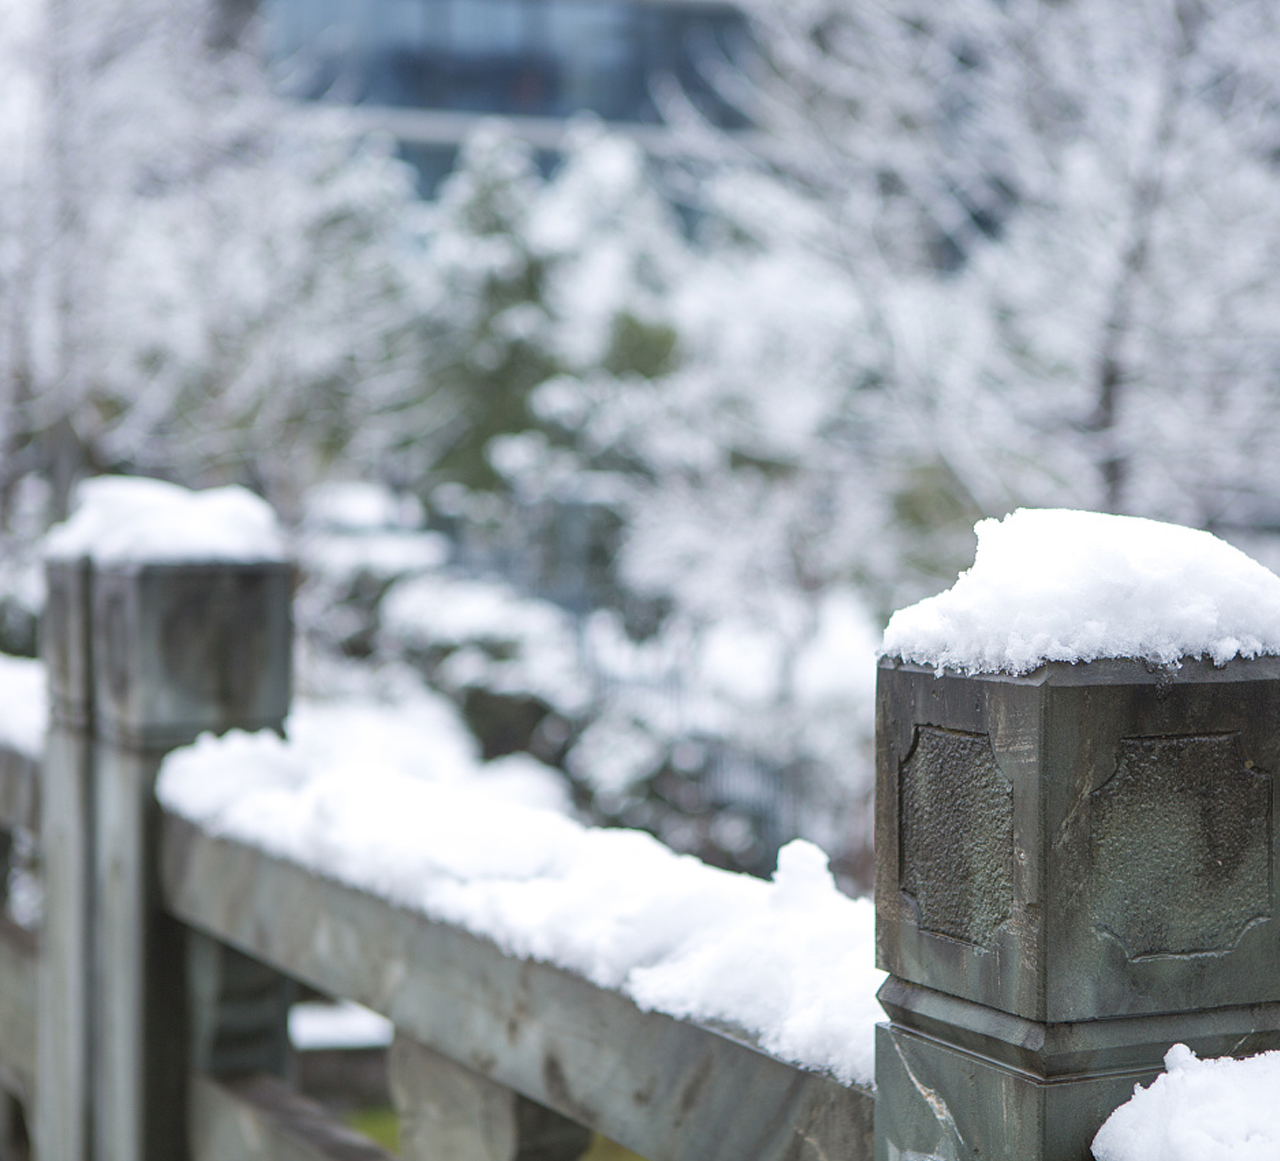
<point>359,506</point>
<point>791,962</point>
<point>124,518</point>
<point>26,710</point>
<point>421,736</point>
<point>1199,1110</point>
<point>1058,585</point>
<point>316,1026</point>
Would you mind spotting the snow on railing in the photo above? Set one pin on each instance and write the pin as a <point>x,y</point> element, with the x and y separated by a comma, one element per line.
<point>790,962</point>
<point>518,954</point>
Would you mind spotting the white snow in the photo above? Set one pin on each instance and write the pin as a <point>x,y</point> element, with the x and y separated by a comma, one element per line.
<point>359,506</point>
<point>416,736</point>
<point>1059,585</point>
<point>790,962</point>
<point>494,638</point>
<point>1199,1110</point>
<point>383,555</point>
<point>314,1026</point>
<point>129,518</point>
<point>25,702</point>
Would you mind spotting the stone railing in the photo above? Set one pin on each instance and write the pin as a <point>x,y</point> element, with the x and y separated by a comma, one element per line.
<point>151,1022</point>
<point>1076,869</point>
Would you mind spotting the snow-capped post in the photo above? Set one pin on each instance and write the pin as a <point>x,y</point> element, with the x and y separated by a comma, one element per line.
<point>187,629</point>
<point>1076,748</point>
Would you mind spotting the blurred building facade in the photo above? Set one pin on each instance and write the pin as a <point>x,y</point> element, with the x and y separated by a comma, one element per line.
<point>426,70</point>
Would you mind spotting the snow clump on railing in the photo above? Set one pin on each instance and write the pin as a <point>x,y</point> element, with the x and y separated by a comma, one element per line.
<point>790,963</point>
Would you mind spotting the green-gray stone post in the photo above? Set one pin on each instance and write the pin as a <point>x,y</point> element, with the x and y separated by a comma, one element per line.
<point>141,658</point>
<point>61,1124</point>
<point>177,649</point>
<point>1075,869</point>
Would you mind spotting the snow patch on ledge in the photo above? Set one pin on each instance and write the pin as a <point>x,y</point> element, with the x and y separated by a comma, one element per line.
<point>1199,1110</point>
<point>25,704</point>
<point>1059,585</point>
<point>316,1027</point>
<point>121,519</point>
<point>791,961</point>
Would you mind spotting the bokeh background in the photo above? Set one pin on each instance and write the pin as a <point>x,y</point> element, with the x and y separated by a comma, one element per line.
<point>620,365</point>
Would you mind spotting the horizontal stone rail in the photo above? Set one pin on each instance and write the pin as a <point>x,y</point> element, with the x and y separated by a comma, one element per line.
<point>667,1089</point>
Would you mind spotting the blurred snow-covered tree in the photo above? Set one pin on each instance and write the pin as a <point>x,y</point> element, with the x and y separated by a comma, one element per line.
<point>531,277</point>
<point>1059,217</point>
<point>209,289</point>
<point>995,253</point>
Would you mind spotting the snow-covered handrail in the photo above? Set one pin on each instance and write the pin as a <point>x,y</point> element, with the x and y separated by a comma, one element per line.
<point>142,657</point>
<point>664,1087</point>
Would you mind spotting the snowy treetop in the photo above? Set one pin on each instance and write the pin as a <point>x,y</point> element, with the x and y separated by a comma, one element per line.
<point>1059,585</point>
<point>26,711</point>
<point>119,519</point>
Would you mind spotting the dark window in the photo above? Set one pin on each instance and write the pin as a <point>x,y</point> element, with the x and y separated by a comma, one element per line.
<point>533,57</point>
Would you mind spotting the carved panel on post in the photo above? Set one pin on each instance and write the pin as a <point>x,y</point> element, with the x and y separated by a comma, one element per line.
<point>1130,906</point>
<point>1186,818</point>
<point>956,856</point>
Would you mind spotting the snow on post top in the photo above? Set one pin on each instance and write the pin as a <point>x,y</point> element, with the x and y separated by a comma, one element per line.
<point>122,518</point>
<point>1058,585</point>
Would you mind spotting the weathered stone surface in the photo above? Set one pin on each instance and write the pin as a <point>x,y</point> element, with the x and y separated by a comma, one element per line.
<point>238,1012</point>
<point>63,1071</point>
<point>447,1110</point>
<point>1143,862</point>
<point>176,649</point>
<point>19,989</point>
<point>1130,904</point>
<point>65,640</point>
<point>1181,846</point>
<point>957,835</point>
<point>935,1102</point>
<point>182,648</point>
<point>258,1118</point>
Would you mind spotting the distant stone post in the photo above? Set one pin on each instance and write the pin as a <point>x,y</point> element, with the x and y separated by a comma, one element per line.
<point>1075,869</point>
<point>177,649</point>
<point>62,1109</point>
<point>141,658</point>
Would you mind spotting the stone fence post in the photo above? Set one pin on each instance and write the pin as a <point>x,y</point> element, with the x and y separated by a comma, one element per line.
<point>1075,869</point>
<point>142,658</point>
<point>62,1119</point>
